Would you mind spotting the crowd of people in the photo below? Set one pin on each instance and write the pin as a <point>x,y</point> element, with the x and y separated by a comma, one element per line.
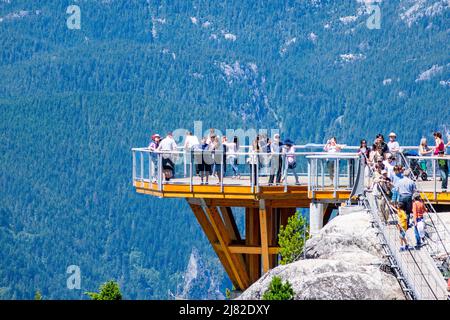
<point>384,172</point>
<point>394,185</point>
<point>212,154</point>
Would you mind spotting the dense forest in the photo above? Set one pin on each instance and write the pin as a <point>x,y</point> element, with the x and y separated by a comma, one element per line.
<point>73,102</point>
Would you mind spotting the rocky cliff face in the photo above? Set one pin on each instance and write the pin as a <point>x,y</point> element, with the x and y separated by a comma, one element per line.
<point>344,261</point>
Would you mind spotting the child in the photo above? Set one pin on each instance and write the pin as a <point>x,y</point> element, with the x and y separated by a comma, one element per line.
<point>402,225</point>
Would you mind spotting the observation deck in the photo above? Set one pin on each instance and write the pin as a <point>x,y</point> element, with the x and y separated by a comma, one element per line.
<point>324,182</point>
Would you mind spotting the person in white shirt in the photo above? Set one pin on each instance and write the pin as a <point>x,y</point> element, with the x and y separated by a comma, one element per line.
<point>332,147</point>
<point>291,161</point>
<point>393,145</point>
<point>389,165</point>
<point>232,149</point>
<point>276,161</point>
<point>168,144</point>
<point>189,142</point>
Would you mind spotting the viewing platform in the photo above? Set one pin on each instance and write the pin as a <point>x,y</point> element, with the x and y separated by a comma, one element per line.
<point>312,170</point>
<point>325,181</point>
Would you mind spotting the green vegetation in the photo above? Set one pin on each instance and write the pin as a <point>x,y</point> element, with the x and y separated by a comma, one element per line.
<point>278,290</point>
<point>292,238</point>
<point>38,295</point>
<point>108,291</point>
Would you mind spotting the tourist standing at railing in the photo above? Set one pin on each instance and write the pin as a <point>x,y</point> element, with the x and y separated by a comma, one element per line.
<point>439,150</point>
<point>419,210</point>
<point>276,161</point>
<point>153,146</point>
<point>217,151</point>
<point>383,145</point>
<point>393,145</point>
<point>406,189</point>
<point>381,185</point>
<point>424,151</point>
<point>291,160</point>
<point>189,142</point>
<point>232,148</point>
<point>389,164</point>
<point>332,147</point>
<point>364,153</point>
<point>254,151</point>
<point>212,133</point>
<point>168,165</point>
<point>204,160</point>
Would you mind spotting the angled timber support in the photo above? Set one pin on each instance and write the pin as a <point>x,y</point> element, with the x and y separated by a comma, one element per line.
<point>212,237</point>
<point>236,261</point>
<point>252,240</point>
<point>265,222</point>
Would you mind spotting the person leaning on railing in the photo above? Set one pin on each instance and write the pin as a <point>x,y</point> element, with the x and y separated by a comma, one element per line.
<point>276,161</point>
<point>153,146</point>
<point>332,147</point>
<point>439,150</point>
<point>291,161</point>
<point>168,165</point>
<point>252,160</point>
<point>364,152</point>
<point>424,151</point>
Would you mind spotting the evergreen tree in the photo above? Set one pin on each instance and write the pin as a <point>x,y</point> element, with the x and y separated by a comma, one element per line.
<point>292,238</point>
<point>279,291</point>
<point>38,295</point>
<point>108,291</point>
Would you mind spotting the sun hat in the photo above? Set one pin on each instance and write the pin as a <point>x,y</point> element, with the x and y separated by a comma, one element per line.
<point>392,134</point>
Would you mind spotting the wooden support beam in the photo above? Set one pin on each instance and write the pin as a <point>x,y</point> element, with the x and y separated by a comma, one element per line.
<point>273,228</point>
<point>327,214</point>
<point>252,239</point>
<point>230,223</point>
<point>235,261</point>
<point>210,234</point>
<point>264,218</point>
<point>250,250</point>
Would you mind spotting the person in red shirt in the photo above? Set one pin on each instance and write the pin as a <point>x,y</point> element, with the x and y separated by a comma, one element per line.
<point>419,210</point>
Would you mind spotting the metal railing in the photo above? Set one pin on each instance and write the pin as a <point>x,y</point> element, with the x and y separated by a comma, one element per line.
<point>254,169</point>
<point>438,233</point>
<point>420,277</point>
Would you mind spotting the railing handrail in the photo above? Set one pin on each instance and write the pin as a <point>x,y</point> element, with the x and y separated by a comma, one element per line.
<point>392,215</point>
<point>343,155</point>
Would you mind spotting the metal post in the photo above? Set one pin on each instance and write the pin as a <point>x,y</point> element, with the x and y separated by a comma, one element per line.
<point>309,175</point>
<point>150,163</point>
<point>221,173</point>
<point>160,171</point>
<point>252,182</point>
<point>285,169</point>
<point>185,162</point>
<point>191,175</point>
<point>336,173</point>
<point>348,172</point>
<point>142,169</point>
<point>257,174</point>
<point>322,170</point>
<point>434,178</point>
<point>134,166</point>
